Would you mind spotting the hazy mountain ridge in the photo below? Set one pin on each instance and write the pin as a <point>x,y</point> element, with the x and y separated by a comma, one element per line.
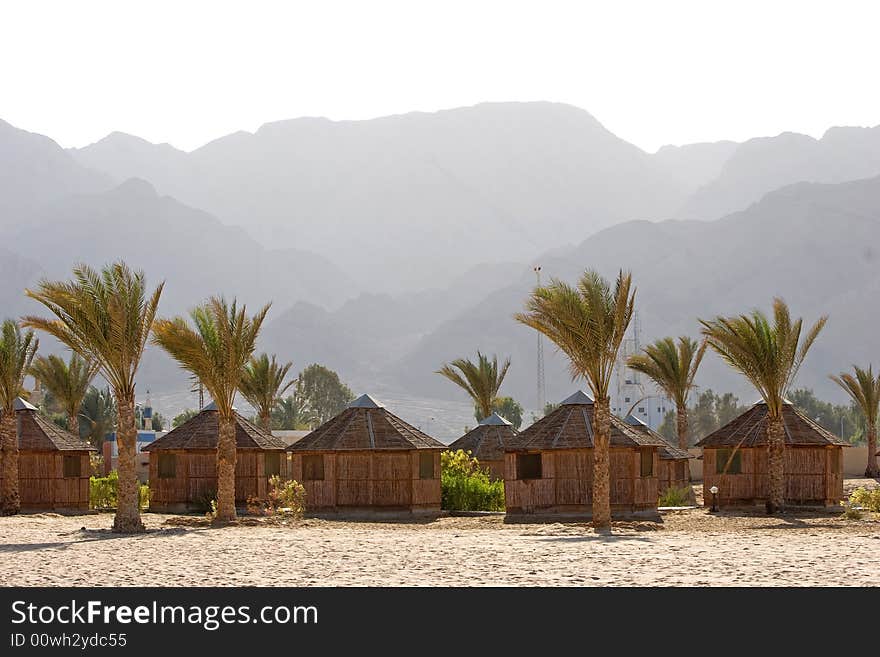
<point>763,164</point>
<point>456,188</point>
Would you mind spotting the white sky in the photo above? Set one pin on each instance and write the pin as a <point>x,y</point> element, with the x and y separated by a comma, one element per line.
<point>652,72</point>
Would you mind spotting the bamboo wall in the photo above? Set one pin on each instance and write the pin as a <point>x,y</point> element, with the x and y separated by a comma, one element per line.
<point>566,484</point>
<point>387,480</point>
<point>809,478</point>
<point>43,486</point>
<point>196,477</point>
<point>672,474</point>
<point>496,468</point>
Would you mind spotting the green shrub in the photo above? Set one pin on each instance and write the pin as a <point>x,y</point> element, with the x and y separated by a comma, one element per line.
<point>673,496</point>
<point>867,499</point>
<point>850,512</point>
<point>285,497</point>
<point>103,492</point>
<point>204,500</point>
<point>467,487</point>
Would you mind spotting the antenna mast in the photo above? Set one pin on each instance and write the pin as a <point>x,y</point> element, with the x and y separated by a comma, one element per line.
<point>541,393</point>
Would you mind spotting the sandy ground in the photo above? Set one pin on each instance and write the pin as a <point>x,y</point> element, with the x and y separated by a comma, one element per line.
<point>685,548</point>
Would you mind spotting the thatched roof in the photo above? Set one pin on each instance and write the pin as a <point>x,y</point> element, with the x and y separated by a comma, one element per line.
<point>571,426</point>
<point>365,425</point>
<point>200,432</point>
<point>487,440</point>
<point>751,429</point>
<point>668,451</point>
<point>36,433</point>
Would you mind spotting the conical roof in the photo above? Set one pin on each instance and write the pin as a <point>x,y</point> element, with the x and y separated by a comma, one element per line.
<point>571,426</point>
<point>494,420</point>
<point>365,425</point>
<point>36,433</point>
<point>486,442</point>
<point>751,429</point>
<point>668,451</point>
<point>201,431</point>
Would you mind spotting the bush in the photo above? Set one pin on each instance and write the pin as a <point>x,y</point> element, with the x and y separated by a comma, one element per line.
<point>286,497</point>
<point>673,496</point>
<point>467,487</point>
<point>867,499</point>
<point>850,512</point>
<point>204,500</point>
<point>103,492</point>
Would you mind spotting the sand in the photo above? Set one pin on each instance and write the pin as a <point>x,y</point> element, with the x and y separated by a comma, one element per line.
<point>685,548</point>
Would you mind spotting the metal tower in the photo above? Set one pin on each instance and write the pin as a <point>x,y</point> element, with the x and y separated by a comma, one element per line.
<point>541,392</point>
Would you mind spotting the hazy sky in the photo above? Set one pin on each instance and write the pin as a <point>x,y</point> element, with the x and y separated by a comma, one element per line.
<point>653,72</point>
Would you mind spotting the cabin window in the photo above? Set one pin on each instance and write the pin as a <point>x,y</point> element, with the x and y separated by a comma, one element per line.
<point>647,469</point>
<point>626,399</point>
<point>313,467</point>
<point>272,464</point>
<point>72,466</point>
<point>835,461</point>
<point>426,465</point>
<point>528,466</point>
<point>167,466</point>
<point>721,458</point>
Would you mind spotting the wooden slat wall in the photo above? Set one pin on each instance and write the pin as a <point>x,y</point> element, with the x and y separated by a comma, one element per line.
<point>380,479</point>
<point>567,482</point>
<point>42,485</point>
<point>196,477</point>
<point>807,479</point>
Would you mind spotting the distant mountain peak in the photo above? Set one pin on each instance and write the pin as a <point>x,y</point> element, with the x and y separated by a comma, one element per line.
<point>136,188</point>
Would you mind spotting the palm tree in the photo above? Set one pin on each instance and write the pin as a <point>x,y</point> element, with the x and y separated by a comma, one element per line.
<point>98,410</point>
<point>588,323</point>
<point>216,351</point>
<point>864,389</point>
<point>769,356</point>
<point>673,370</point>
<point>105,317</point>
<point>262,384</point>
<point>293,412</point>
<point>67,382</point>
<point>481,380</point>
<point>17,350</point>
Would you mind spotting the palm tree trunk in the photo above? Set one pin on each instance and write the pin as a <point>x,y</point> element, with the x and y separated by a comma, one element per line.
<point>10,502</point>
<point>73,423</point>
<point>872,470</point>
<point>128,512</point>
<point>226,469</point>
<point>681,420</point>
<point>265,419</point>
<point>776,464</point>
<point>601,459</point>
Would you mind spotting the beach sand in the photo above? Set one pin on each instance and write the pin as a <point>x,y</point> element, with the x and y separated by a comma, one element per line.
<point>685,548</point>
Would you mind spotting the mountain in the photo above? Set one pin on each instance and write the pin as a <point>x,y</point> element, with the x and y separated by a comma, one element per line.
<point>192,251</point>
<point>761,165</point>
<point>34,170</point>
<point>812,244</point>
<point>695,165</point>
<point>446,190</point>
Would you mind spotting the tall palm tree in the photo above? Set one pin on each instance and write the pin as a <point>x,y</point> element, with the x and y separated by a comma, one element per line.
<point>672,368</point>
<point>481,380</point>
<point>769,356</point>
<point>98,412</point>
<point>216,351</point>
<point>68,382</point>
<point>17,350</point>
<point>262,384</point>
<point>588,323</point>
<point>864,389</point>
<point>105,317</point>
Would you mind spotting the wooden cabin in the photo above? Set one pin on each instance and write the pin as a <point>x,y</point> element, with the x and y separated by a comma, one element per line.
<point>368,459</point>
<point>735,460</point>
<point>486,443</point>
<point>183,463</point>
<point>53,464</point>
<point>674,467</point>
<point>548,467</point>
